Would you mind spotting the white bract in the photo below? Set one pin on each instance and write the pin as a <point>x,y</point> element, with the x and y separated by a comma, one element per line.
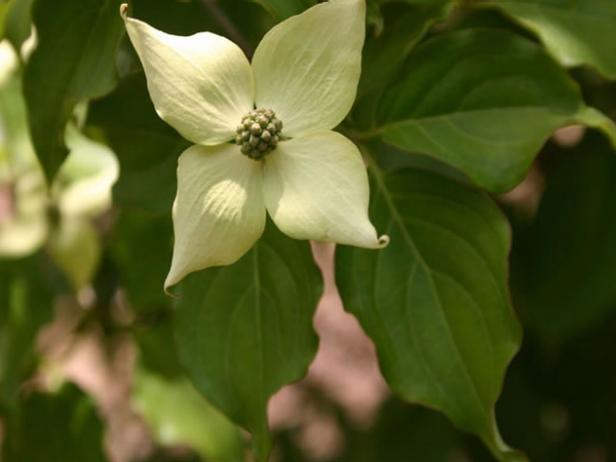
<point>262,134</point>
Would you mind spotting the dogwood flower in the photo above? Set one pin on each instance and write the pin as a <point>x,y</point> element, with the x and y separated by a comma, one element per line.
<point>263,134</point>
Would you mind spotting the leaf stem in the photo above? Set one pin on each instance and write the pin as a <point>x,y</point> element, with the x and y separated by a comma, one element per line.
<point>364,135</point>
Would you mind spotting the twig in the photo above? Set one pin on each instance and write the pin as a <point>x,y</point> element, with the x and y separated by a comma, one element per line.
<point>221,17</point>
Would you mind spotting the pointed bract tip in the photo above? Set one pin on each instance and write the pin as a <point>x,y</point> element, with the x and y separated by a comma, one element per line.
<point>169,285</point>
<point>170,294</point>
<point>124,10</point>
<point>383,241</point>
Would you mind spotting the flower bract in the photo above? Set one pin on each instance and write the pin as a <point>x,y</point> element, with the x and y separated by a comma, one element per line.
<point>262,134</point>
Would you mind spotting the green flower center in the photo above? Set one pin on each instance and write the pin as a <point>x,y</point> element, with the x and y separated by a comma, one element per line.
<point>259,133</point>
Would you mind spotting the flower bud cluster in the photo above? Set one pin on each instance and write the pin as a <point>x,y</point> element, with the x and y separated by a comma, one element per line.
<point>259,133</point>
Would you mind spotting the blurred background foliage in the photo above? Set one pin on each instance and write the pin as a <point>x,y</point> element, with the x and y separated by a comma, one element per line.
<point>88,364</point>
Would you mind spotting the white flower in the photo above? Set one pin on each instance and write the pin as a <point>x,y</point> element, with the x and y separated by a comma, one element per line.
<point>311,180</point>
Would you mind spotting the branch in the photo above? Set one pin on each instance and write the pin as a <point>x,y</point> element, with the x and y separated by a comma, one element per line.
<point>223,20</point>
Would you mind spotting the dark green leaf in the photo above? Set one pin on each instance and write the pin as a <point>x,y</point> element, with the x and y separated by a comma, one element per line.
<point>146,147</point>
<point>55,427</point>
<point>385,54</point>
<point>142,268</point>
<point>282,9</point>
<point>18,25</point>
<point>245,330</point>
<point>25,306</point>
<point>74,61</point>
<point>177,17</point>
<point>157,351</point>
<point>483,101</point>
<point>412,433</point>
<point>435,301</point>
<point>575,32</point>
<point>565,262</point>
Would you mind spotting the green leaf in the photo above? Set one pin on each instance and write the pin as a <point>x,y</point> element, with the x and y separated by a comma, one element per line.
<point>575,32</point>
<point>435,301</point>
<point>142,268</point>
<point>282,9</point>
<point>384,54</point>
<point>146,147</point>
<point>18,25</point>
<point>25,306</point>
<point>178,415</point>
<point>3,13</point>
<point>412,433</point>
<point>245,330</point>
<point>157,350</point>
<point>55,427</point>
<point>74,61</point>
<point>483,101</point>
<point>564,262</point>
<point>75,247</point>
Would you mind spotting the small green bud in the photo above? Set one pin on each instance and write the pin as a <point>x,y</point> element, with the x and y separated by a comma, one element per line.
<point>259,133</point>
<point>255,129</point>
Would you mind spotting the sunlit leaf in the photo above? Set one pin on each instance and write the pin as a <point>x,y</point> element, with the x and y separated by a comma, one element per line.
<point>75,247</point>
<point>178,415</point>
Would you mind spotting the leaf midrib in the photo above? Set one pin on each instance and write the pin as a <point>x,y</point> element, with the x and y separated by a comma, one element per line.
<point>420,260</point>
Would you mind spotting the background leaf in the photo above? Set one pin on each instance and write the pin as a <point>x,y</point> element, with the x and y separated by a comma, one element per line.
<point>18,25</point>
<point>565,260</point>
<point>142,268</point>
<point>484,101</point>
<point>146,147</point>
<point>62,427</point>
<point>435,301</point>
<point>25,306</point>
<point>245,330</point>
<point>178,415</point>
<point>575,32</point>
<point>85,35</point>
<point>385,52</point>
